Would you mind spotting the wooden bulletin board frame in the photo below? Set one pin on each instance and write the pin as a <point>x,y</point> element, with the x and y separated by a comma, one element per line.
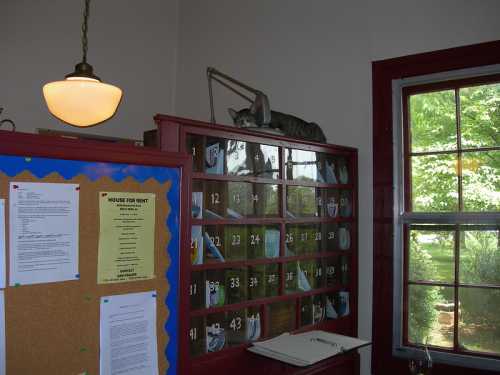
<point>39,307</point>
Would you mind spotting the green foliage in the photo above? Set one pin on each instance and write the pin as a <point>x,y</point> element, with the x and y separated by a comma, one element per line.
<point>481,181</point>
<point>433,119</point>
<point>480,266</point>
<point>434,183</point>
<point>482,261</point>
<point>421,299</point>
<point>439,246</point>
<point>480,115</point>
<point>435,188</point>
<point>433,127</point>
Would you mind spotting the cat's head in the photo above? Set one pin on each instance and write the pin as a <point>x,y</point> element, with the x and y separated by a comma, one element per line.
<point>243,118</point>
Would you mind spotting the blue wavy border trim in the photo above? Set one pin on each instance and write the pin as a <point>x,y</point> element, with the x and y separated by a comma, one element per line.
<point>172,274</point>
<point>68,169</point>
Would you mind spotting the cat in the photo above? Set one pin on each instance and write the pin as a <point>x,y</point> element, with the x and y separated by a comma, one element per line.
<point>289,125</point>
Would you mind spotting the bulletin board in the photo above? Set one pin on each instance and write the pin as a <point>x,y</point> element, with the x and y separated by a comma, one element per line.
<point>53,328</point>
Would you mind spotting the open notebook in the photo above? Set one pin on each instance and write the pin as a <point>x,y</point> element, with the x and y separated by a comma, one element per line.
<point>307,348</point>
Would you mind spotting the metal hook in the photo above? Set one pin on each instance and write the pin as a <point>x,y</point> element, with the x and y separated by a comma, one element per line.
<point>9,121</point>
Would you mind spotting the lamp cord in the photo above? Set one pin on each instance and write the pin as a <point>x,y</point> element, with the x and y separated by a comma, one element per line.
<point>84,30</point>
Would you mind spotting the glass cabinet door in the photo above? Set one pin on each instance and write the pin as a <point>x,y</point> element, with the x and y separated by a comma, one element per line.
<point>306,311</point>
<point>236,240</point>
<point>215,288</point>
<point>215,152</point>
<point>234,200</point>
<point>272,280</point>
<point>253,324</point>
<point>236,285</point>
<point>197,290</point>
<point>263,263</point>
<point>252,159</point>
<point>216,332</point>
<point>215,244</point>
<point>263,241</point>
<point>256,282</point>
<point>336,170</point>
<point>329,233</point>
<point>239,200</point>
<point>215,200</point>
<point>195,146</point>
<point>303,165</point>
<point>236,322</point>
<point>197,336</point>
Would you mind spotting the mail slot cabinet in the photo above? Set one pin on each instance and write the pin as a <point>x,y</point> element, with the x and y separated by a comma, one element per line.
<point>272,243</point>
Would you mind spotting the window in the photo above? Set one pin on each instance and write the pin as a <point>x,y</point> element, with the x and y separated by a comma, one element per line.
<point>447,196</point>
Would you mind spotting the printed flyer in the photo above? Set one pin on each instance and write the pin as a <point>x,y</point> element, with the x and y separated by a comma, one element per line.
<point>126,237</point>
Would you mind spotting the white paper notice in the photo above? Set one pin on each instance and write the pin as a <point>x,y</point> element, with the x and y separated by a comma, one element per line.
<point>2,244</point>
<point>128,334</point>
<point>2,333</point>
<point>43,232</point>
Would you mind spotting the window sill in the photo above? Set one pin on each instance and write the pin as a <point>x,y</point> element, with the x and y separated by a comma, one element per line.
<point>453,359</point>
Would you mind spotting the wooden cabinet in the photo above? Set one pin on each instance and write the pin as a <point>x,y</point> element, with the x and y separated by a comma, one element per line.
<point>273,248</point>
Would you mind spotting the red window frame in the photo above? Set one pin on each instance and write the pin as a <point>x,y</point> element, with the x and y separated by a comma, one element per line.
<point>407,93</point>
<point>385,357</point>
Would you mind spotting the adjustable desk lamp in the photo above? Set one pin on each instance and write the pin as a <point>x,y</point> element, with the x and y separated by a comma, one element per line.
<point>260,105</point>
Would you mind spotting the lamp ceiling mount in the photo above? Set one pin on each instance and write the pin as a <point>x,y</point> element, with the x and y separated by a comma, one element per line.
<point>83,70</point>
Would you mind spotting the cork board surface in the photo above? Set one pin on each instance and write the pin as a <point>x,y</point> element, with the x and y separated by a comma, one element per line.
<point>53,328</point>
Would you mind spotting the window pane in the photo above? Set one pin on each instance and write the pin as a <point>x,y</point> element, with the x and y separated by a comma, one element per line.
<point>480,256</point>
<point>431,255</point>
<point>430,315</point>
<point>481,181</point>
<point>252,159</point>
<point>303,165</point>
<point>480,115</point>
<point>433,121</point>
<point>434,183</point>
<point>301,201</point>
<point>479,328</point>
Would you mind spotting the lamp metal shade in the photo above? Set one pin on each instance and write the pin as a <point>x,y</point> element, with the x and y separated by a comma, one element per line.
<point>81,101</point>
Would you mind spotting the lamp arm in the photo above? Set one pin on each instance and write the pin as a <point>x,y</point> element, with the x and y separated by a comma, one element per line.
<point>229,87</point>
<point>260,103</point>
<point>211,72</point>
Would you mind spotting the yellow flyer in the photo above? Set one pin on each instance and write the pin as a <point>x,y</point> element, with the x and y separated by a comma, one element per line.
<point>126,237</point>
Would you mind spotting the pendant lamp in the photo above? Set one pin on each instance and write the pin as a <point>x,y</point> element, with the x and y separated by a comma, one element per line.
<point>82,99</point>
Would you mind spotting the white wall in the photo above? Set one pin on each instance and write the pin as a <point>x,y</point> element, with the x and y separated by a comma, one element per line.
<point>399,28</point>
<point>132,44</point>
<point>313,59</point>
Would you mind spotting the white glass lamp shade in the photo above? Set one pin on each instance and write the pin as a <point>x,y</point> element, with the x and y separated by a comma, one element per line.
<point>82,101</point>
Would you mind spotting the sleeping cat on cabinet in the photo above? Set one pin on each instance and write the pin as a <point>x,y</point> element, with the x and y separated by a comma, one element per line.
<point>289,125</point>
